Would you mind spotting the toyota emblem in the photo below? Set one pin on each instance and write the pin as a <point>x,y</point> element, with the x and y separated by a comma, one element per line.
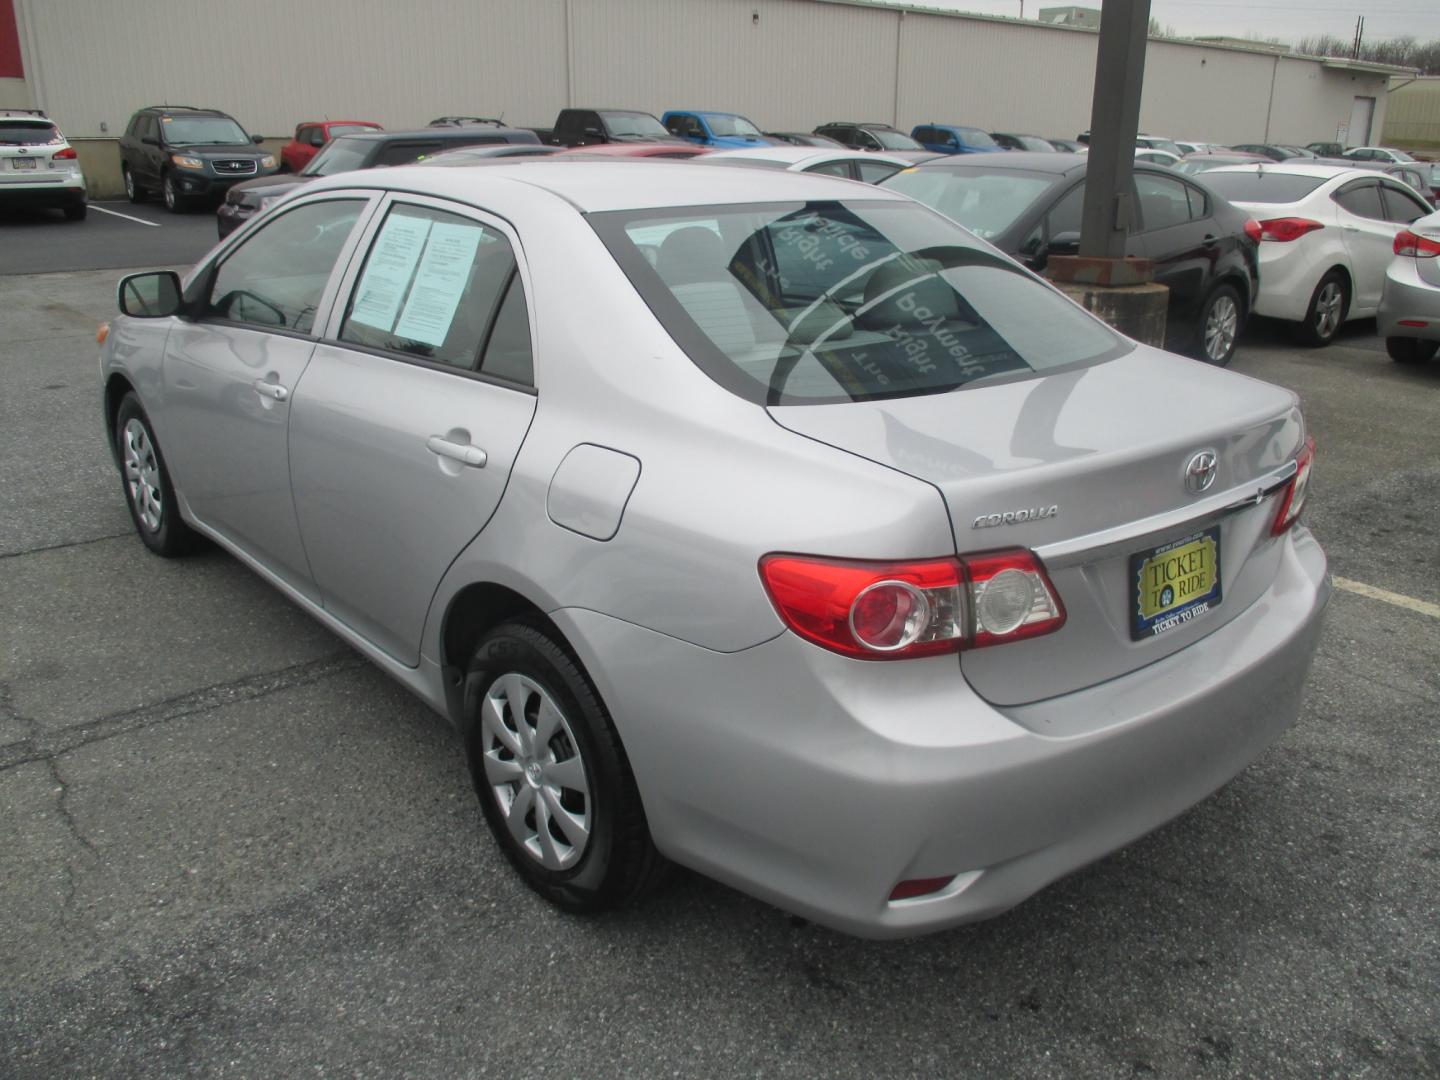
<point>1200,472</point>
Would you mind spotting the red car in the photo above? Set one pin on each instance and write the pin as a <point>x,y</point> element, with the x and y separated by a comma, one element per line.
<point>312,135</point>
<point>636,150</point>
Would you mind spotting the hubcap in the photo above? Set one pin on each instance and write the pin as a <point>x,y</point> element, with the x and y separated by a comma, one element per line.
<point>535,772</point>
<point>142,474</point>
<point>129,184</point>
<point>1327,309</point>
<point>1220,328</point>
<point>170,193</point>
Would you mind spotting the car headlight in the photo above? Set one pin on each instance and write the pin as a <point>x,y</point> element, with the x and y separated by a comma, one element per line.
<point>185,161</point>
<point>268,161</point>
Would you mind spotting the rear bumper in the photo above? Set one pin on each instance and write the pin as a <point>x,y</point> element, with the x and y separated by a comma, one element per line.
<point>817,783</point>
<point>62,189</point>
<point>1408,296</point>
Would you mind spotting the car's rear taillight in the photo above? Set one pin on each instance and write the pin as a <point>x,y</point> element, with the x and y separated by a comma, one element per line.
<point>1283,230</point>
<point>67,154</point>
<point>1415,245</point>
<point>1253,230</point>
<point>1292,498</point>
<point>900,610</point>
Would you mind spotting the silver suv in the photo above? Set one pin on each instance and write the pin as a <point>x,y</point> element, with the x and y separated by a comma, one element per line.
<point>38,167</point>
<point>759,520</point>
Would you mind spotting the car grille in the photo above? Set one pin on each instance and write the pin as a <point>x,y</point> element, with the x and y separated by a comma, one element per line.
<point>234,167</point>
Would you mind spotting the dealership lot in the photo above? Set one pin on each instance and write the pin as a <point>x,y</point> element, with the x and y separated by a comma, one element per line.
<point>233,847</point>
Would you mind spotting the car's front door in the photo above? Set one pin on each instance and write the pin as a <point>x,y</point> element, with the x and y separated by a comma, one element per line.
<point>412,412</point>
<point>231,373</point>
<point>1369,240</point>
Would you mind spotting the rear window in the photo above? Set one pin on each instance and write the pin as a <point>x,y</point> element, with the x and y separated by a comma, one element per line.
<point>637,124</point>
<point>28,134</point>
<point>987,202</point>
<point>1263,186</point>
<point>810,303</point>
<point>350,129</point>
<point>893,140</point>
<point>341,155</point>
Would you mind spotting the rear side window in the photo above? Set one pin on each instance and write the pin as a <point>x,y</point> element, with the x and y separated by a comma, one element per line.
<point>1401,206</point>
<point>845,301</point>
<point>274,280</point>
<point>1362,200</point>
<point>439,287</point>
<point>872,172</point>
<point>1164,203</point>
<point>1262,186</point>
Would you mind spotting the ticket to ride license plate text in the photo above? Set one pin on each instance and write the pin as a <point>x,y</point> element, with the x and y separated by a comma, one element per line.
<point>1173,584</point>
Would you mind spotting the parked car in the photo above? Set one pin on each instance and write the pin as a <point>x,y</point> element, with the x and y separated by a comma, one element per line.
<point>859,679</point>
<point>471,154</point>
<point>1415,174</point>
<point>368,150</point>
<point>1028,206</point>
<point>1191,146</point>
<point>189,155</point>
<point>594,127</point>
<point>1268,150</point>
<point>1198,163</point>
<point>1327,235</point>
<point>1409,315</point>
<point>1157,142</point>
<point>1033,143</point>
<point>868,136</point>
<point>314,134</point>
<point>1299,152</point>
<point>1377,153</point>
<point>1326,149</point>
<point>799,138</point>
<point>1158,157</point>
<point>954,139</point>
<point>713,128</point>
<point>38,166</point>
<point>862,165</point>
<point>624,151</point>
<point>1066,146</point>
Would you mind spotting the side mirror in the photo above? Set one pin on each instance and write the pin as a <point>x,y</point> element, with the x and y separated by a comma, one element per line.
<point>593,133</point>
<point>1063,243</point>
<point>258,140</point>
<point>150,140</point>
<point>153,295</point>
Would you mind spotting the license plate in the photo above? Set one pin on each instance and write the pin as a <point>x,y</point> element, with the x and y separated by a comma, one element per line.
<point>1174,584</point>
<point>22,163</point>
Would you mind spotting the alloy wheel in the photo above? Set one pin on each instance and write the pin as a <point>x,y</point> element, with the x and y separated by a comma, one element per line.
<point>142,475</point>
<point>129,185</point>
<point>170,195</point>
<point>1327,309</point>
<point>535,772</point>
<point>1220,327</point>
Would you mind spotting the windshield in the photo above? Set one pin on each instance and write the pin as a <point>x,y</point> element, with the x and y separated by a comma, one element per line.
<point>1401,155</point>
<point>723,124</point>
<point>21,133</point>
<point>894,140</point>
<point>976,137</point>
<point>634,124</point>
<point>808,303</point>
<point>985,202</point>
<point>202,131</point>
<point>1262,186</point>
<point>340,155</point>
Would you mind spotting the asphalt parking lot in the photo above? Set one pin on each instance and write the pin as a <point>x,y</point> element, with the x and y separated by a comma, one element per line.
<point>114,235</point>
<point>229,846</point>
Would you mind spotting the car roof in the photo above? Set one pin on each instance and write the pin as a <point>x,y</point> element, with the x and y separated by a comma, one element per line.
<point>597,186</point>
<point>795,155</point>
<point>444,134</point>
<point>1018,160</point>
<point>1285,168</point>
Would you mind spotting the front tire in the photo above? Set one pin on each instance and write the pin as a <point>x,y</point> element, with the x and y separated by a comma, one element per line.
<point>552,776</point>
<point>174,201</point>
<point>1221,320</point>
<point>1329,304</point>
<point>1409,350</point>
<point>148,491</point>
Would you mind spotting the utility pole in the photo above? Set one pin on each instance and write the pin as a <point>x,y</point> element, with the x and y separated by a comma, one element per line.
<point>1114,122</point>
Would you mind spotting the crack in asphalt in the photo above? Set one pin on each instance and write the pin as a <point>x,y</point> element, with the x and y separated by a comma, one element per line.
<point>46,747</point>
<point>67,544</point>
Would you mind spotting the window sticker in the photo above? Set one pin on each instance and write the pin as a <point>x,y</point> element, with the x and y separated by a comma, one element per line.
<point>388,273</point>
<point>439,284</point>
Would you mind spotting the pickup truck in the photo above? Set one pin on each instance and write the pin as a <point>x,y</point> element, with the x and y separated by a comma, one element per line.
<point>589,127</point>
<point>720,129</point>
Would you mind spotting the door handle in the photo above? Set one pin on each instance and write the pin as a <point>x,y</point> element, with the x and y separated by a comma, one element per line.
<point>270,389</point>
<point>461,452</point>
<point>1352,228</point>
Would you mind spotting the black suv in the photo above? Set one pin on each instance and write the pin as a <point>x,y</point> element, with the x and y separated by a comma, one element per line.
<point>868,136</point>
<point>187,154</point>
<point>364,150</point>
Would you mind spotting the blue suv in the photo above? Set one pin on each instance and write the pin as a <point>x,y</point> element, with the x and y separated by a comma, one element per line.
<point>953,139</point>
<point>713,128</point>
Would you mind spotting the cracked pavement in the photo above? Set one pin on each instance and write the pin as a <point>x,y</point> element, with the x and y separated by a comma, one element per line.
<point>230,847</point>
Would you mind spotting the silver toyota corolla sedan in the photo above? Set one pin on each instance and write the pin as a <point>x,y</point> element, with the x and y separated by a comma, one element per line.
<point>761,522</point>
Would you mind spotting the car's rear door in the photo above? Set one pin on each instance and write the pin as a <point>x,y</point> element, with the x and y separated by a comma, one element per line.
<point>413,410</point>
<point>232,371</point>
<point>1183,239</point>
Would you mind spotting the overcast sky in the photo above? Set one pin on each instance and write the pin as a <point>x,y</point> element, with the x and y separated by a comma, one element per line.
<point>1288,20</point>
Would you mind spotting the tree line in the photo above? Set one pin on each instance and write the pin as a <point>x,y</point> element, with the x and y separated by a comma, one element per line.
<point>1403,51</point>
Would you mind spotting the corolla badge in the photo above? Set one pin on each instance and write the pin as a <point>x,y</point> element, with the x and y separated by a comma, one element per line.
<point>1014,517</point>
<point>1200,471</point>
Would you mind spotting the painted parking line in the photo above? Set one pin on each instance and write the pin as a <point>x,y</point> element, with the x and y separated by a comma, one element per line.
<point>127,217</point>
<point>1424,607</point>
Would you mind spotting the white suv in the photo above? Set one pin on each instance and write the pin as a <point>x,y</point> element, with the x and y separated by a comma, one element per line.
<point>38,167</point>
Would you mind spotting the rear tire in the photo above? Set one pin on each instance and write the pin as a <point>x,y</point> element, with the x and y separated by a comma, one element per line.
<point>552,776</point>
<point>1222,317</point>
<point>1409,350</point>
<point>76,211</point>
<point>1329,304</point>
<point>133,191</point>
<point>148,491</point>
